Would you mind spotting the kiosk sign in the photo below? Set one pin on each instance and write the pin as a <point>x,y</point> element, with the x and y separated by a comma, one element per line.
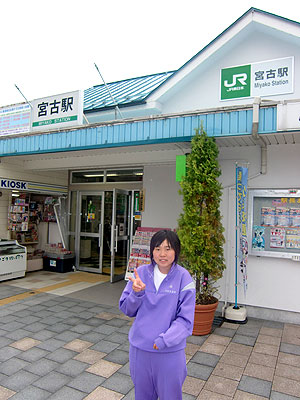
<point>13,184</point>
<point>266,78</point>
<point>24,186</point>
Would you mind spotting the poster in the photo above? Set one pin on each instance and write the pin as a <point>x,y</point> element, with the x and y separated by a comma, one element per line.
<point>277,238</point>
<point>258,240</point>
<point>292,238</point>
<point>282,216</point>
<point>295,217</point>
<point>91,216</point>
<point>140,250</point>
<point>268,216</point>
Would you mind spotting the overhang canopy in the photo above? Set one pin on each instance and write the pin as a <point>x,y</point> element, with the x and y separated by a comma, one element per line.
<point>161,129</point>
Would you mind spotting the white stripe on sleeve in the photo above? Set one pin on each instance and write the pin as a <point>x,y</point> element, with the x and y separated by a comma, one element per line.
<point>189,286</point>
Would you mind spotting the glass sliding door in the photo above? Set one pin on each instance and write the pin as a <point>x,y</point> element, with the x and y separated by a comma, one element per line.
<point>90,223</point>
<point>101,233</point>
<point>107,240</point>
<point>120,233</point>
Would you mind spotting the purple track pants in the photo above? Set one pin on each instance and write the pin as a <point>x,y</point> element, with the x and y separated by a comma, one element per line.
<point>156,374</point>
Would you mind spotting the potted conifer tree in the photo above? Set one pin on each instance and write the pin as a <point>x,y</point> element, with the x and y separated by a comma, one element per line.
<point>200,228</point>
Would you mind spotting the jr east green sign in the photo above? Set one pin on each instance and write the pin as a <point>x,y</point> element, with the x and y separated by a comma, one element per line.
<point>264,78</point>
<point>235,82</point>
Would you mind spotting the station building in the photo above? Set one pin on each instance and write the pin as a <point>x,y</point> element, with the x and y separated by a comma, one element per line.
<point>116,171</point>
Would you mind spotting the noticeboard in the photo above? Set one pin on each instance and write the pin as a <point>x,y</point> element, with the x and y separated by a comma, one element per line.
<point>15,119</point>
<point>274,223</point>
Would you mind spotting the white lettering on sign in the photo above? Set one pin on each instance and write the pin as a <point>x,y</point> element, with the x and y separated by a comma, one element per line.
<point>11,184</point>
<point>241,78</point>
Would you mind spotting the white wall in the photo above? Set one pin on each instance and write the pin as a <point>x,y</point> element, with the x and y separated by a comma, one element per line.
<point>201,88</point>
<point>48,232</point>
<point>54,235</point>
<point>272,283</point>
<point>162,201</point>
<point>13,168</point>
<point>4,201</point>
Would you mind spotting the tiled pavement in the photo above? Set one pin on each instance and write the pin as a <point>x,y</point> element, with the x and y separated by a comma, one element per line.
<point>56,347</point>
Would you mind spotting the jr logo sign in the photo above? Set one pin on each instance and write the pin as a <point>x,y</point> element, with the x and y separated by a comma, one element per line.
<point>240,78</point>
<point>264,78</point>
<point>235,82</point>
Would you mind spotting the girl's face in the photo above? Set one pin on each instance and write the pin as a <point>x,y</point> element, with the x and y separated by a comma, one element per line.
<point>164,256</point>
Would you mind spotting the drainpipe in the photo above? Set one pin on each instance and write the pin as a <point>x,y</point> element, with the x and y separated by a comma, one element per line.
<point>258,138</point>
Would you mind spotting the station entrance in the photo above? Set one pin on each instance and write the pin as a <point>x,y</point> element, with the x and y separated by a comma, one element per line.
<point>102,225</point>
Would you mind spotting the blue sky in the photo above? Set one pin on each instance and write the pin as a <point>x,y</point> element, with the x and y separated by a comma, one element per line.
<point>51,47</point>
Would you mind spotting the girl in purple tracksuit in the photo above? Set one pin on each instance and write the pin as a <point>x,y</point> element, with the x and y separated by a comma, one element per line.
<point>161,297</point>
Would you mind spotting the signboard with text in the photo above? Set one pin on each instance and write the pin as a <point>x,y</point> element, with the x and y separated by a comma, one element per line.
<point>59,111</point>
<point>266,78</point>
<point>24,186</point>
<point>15,119</point>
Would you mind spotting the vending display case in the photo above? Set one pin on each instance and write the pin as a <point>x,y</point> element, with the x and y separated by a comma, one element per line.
<point>274,223</point>
<point>12,259</point>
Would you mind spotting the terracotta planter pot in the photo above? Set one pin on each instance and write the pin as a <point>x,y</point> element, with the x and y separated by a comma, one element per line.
<point>204,316</point>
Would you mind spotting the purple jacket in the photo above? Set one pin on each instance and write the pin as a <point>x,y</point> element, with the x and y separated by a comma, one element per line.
<point>164,317</point>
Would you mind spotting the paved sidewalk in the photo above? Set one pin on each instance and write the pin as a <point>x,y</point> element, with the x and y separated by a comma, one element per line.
<point>57,347</point>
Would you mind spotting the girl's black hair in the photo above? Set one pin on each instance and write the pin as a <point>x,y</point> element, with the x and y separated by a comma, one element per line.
<point>172,239</point>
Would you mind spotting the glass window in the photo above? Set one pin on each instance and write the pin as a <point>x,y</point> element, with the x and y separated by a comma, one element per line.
<point>115,175</point>
<point>124,175</point>
<point>87,176</point>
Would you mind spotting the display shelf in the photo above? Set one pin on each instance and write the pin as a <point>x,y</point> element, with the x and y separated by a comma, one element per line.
<point>18,215</point>
<point>26,212</point>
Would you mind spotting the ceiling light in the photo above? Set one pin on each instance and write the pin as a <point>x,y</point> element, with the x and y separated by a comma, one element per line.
<point>93,175</point>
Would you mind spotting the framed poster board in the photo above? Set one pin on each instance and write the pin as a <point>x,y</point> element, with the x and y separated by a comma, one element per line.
<point>274,223</point>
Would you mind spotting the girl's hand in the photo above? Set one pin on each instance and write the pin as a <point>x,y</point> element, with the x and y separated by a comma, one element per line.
<point>137,284</point>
